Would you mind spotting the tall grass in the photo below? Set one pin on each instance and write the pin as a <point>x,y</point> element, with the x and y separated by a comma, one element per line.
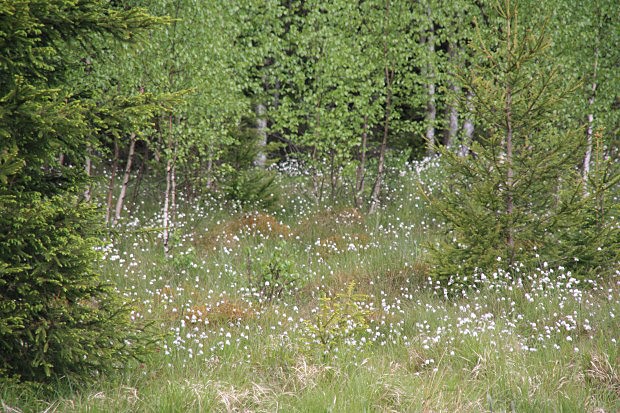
<point>540,341</point>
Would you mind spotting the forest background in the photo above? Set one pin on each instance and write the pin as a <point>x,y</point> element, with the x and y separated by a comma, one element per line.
<point>143,127</point>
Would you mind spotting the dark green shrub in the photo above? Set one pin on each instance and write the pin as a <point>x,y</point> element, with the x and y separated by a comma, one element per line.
<point>274,276</point>
<point>253,188</point>
<point>56,316</point>
<point>520,199</point>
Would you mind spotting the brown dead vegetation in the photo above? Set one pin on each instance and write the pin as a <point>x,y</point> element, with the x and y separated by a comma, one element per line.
<point>222,313</point>
<point>331,221</point>
<point>229,234</point>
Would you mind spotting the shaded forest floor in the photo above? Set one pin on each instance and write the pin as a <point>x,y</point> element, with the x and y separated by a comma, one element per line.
<point>306,308</point>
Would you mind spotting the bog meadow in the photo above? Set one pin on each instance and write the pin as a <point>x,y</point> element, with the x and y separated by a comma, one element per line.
<point>309,206</point>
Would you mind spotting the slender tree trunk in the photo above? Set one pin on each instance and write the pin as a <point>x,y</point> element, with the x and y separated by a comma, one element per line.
<point>126,176</point>
<point>139,176</point>
<point>166,212</point>
<point>468,126</point>
<point>360,173</point>
<point>169,196</point>
<point>333,175</point>
<point>600,194</point>
<point>316,183</point>
<point>510,241</point>
<point>453,120</point>
<point>590,130</point>
<point>431,108</point>
<point>376,191</point>
<point>451,110</point>
<point>173,191</point>
<point>261,129</point>
<point>87,168</point>
<point>210,170</point>
<point>112,182</point>
<point>431,115</point>
<point>389,75</point>
<point>509,175</point>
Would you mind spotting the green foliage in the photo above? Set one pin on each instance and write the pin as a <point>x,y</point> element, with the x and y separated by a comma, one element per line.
<point>196,54</point>
<point>274,277</point>
<point>591,243</point>
<point>242,182</point>
<point>516,200</point>
<point>490,348</point>
<point>252,188</point>
<point>57,318</point>
<point>339,319</point>
<point>9,164</point>
<point>582,33</point>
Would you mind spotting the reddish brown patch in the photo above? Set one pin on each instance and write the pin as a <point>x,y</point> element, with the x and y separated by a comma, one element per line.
<point>223,312</point>
<point>229,233</point>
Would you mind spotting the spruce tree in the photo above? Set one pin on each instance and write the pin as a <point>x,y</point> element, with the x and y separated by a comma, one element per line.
<point>517,199</point>
<point>57,317</point>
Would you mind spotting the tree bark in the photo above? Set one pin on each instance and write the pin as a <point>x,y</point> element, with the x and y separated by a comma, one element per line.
<point>376,191</point>
<point>209,171</point>
<point>360,173</point>
<point>453,120</point>
<point>431,115</point>
<point>261,130</point>
<point>333,175</point>
<point>139,176</point>
<point>451,109</point>
<point>112,182</point>
<point>170,195</point>
<point>126,176</point>
<point>166,212</point>
<point>389,76</point>
<point>509,176</point>
<point>590,129</point>
<point>173,189</point>
<point>468,126</point>
<point>317,184</point>
<point>431,108</point>
<point>87,168</point>
<point>510,241</point>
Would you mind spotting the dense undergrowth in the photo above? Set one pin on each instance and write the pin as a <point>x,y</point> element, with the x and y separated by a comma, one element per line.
<point>308,308</point>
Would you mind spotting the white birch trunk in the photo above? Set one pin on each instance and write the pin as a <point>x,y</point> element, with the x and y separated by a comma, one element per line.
<point>360,174</point>
<point>431,108</point>
<point>389,77</point>
<point>590,130</point>
<point>126,176</point>
<point>431,115</point>
<point>452,110</point>
<point>509,175</point>
<point>87,169</point>
<point>453,120</point>
<point>468,127</point>
<point>510,235</point>
<point>261,130</point>
<point>173,193</point>
<point>170,195</point>
<point>166,212</point>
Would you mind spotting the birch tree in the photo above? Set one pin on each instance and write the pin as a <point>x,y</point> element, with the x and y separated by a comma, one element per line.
<point>196,56</point>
